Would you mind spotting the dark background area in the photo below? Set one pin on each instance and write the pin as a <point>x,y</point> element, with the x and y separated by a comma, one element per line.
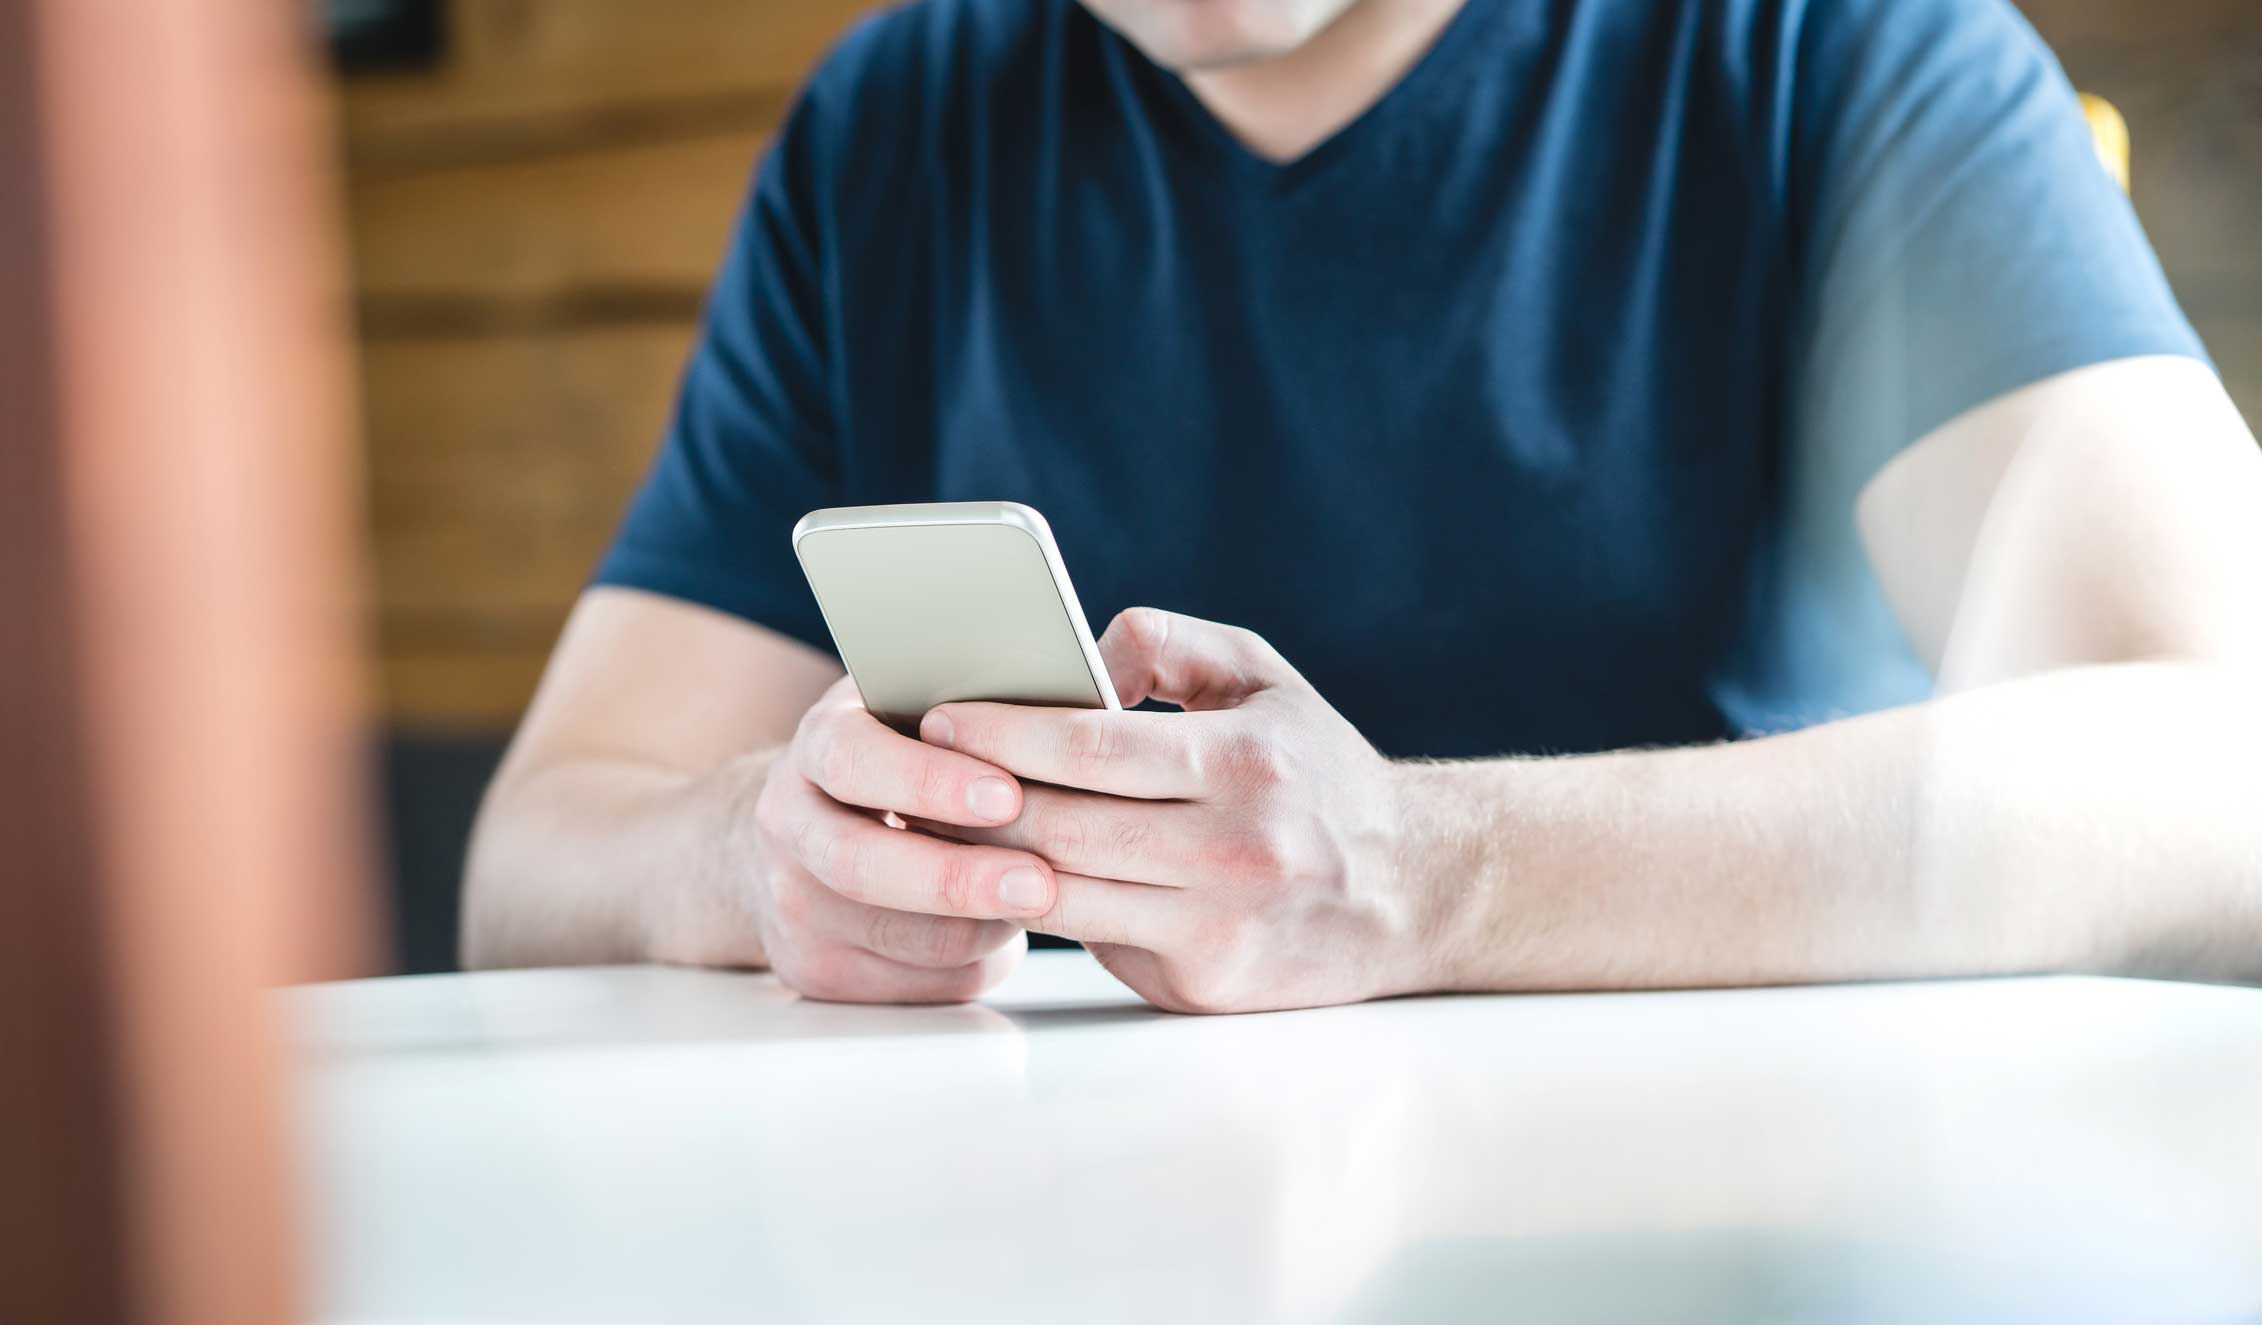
<point>538,190</point>
<point>382,34</point>
<point>432,785</point>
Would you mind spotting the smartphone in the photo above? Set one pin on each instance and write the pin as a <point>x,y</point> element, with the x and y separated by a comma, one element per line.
<point>944,601</point>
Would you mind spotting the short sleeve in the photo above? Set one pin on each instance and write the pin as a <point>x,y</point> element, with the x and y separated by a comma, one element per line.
<point>1958,236</point>
<point>752,443</point>
<point>1954,238</point>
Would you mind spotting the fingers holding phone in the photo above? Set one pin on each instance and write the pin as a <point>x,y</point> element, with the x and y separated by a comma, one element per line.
<point>927,604</point>
<point>855,910</point>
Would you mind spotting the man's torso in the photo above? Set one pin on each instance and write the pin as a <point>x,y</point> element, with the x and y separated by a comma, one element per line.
<point>1473,411</point>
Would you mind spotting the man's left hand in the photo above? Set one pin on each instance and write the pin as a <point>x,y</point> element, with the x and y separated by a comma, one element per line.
<point>1240,856</point>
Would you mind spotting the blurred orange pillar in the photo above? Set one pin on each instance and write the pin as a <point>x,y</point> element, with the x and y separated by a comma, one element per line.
<point>184,814</point>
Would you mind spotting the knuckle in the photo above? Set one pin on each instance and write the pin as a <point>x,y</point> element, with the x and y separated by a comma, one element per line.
<point>1254,854</point>
<point>898,934</point>
<point>1193,763</point>
<point>971,729</point>
<point>1255,860</point>
<point>853,865</point>
<point>952,942</point>
<point>795,835</point>
<point>1058,920</point>
<point>837,759</point>
<point>1144,628</point>
<point>1092,741</point>
<point>954,883</point>
<point>1273,851</point>
<point>836,856</point>
<point>933,789</point>
<point>1061,837</point>
<point>939,941</point>
<point>814,843</point>
<point>886,932</point>
<point>1254,763</point>
<point>1262,658</point>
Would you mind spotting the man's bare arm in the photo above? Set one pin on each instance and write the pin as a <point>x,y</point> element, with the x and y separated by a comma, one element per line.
<point>638,761</point>
<point>2082,562</point>
<point>2095,820</point>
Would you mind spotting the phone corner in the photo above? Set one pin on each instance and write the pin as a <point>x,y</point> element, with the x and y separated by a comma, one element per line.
<point>809,524</point>
<point>1028,519</point>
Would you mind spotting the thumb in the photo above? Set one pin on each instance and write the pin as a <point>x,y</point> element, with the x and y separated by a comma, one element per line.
<point>1184,660</point>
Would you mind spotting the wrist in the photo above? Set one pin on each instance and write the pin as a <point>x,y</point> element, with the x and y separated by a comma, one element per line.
<point>1483,861</point>
<point>1438,874</point>
<point>703,915</point>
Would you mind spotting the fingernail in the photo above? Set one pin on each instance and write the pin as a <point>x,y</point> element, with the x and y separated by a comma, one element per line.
<point>934,729</point>
<point>991,799</point>
<point>1022,889</point>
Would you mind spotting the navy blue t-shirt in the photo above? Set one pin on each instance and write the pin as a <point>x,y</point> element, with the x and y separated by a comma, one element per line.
<point>1524,414</point>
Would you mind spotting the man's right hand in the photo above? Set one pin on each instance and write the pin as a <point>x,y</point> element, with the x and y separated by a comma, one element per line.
<point>855,910</point>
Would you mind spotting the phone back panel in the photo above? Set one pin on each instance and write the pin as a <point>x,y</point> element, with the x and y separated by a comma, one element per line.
<point>970,604</point>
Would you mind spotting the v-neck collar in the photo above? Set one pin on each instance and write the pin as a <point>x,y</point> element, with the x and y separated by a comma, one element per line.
<point>1433,73</point>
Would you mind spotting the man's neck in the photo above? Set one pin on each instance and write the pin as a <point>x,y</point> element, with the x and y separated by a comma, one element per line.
<point>1283,107</point>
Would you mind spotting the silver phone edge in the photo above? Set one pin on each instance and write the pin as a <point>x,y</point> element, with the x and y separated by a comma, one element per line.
<point>1012,514</point>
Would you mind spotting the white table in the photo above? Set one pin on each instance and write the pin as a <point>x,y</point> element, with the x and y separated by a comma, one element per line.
<point>648,1144</point>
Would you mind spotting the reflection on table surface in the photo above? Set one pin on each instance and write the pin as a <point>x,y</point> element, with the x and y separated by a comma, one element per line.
<point>647,1143</point>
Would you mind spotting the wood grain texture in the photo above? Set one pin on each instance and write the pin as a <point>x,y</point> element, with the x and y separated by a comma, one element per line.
<point>512,457</point>
<point>451,682</point>
<point>527,76</point>
<point>534,225</point>
<point>508,461</point>
<point>541,232</point>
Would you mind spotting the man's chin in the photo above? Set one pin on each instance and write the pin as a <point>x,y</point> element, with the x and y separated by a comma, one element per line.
<point>1191,36</point>
<point>1193,56</point>
<point>1208,60</point>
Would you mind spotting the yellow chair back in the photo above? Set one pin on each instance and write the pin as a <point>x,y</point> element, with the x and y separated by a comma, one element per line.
<point>2110,133</point>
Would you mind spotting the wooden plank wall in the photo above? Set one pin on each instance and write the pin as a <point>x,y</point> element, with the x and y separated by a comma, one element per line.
<point>534,224</point>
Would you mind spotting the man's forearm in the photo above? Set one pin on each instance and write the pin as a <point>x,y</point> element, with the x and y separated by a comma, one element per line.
<point>601,861</point>
<point>2106,819</point>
